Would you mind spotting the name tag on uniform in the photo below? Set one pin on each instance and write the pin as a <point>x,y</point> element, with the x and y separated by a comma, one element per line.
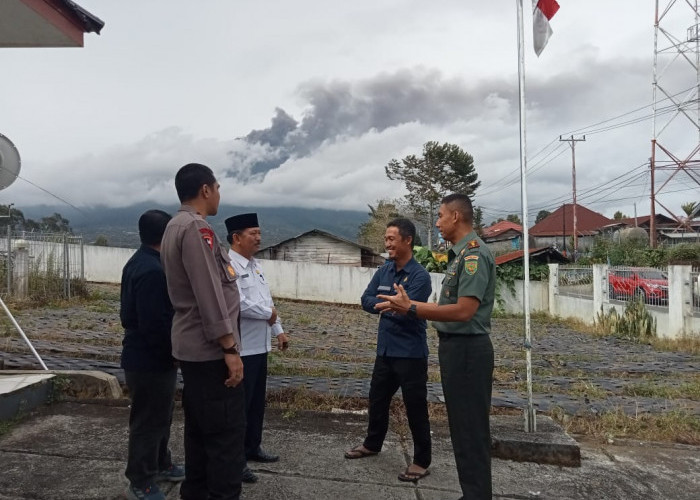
<point>244,275</point>
<point>384,288</point>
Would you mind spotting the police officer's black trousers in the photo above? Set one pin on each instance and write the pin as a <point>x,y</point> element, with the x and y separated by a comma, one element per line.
<point>466,368</point>
<point>152,400</point>
<point>255,383</point>
<point>214,432</point>
<point>411,374</point>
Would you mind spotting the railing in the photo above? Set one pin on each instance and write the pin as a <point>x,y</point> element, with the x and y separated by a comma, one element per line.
<point>576,281</point>
<point>695,286</point>
<point>41,264</point>
<point>648,284</point>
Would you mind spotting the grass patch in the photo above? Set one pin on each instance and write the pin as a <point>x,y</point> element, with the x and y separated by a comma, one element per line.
<point>655,389</point>
<point>674,426</point>
<point>586,388</point>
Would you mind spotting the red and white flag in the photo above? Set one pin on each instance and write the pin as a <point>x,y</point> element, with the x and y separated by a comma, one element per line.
<point>542,12</point>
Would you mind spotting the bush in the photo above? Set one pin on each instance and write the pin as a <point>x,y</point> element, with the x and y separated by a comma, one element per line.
<point>636,323</point>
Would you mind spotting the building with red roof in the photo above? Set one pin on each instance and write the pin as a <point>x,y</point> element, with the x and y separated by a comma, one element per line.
<point>503,236</point>
<point>557,229</point>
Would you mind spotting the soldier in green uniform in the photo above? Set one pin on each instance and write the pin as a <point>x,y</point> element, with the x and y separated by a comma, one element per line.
<point>462,318</point>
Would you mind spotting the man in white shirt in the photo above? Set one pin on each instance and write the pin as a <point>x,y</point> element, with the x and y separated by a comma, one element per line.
<point>259,322</point>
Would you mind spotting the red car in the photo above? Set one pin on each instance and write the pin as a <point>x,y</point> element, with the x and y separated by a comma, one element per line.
<point>649,284</point>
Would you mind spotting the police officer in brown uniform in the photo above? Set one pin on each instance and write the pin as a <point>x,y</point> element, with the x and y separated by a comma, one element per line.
<point>462,318</point>
<point>206,340</point>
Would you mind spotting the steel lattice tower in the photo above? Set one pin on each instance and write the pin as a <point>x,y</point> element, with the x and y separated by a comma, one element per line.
<point>675,143</point>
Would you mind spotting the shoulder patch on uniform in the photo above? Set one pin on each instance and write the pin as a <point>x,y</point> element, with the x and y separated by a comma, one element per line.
<point>471,257</point>
<point>207,236</point>
<point>473,244</point>
<point>231,271</point>
<point>470,266</point>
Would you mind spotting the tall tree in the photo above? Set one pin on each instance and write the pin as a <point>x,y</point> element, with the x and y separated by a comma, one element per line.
<point>443,169</point>
<point>478,219</point>
<point>371,233</point>
<point>541,215</point>
<point>619,215</point>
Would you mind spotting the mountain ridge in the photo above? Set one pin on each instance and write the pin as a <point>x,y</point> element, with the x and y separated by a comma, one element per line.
<point>120,225</point>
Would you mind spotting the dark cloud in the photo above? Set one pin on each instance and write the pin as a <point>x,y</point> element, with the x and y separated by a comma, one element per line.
<point>342,109</point>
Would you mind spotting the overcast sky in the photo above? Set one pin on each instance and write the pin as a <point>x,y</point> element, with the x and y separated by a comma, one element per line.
<point>302,103</point>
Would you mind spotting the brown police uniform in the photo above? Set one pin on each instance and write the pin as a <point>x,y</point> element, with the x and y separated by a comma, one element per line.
<point>203,291</point>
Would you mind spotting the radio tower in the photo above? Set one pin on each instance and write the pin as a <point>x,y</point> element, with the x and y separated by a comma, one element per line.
<point>675,143</point>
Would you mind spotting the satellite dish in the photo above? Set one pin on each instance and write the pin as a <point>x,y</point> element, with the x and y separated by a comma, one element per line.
<point>9,162</point>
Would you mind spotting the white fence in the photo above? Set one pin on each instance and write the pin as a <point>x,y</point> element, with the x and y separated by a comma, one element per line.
<point>341,284</point>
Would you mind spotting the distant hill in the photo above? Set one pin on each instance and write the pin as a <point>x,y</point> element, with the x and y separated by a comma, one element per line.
<point>120,225</point>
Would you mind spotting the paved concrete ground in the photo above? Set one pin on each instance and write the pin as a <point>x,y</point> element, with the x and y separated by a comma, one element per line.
<point>71,451</point>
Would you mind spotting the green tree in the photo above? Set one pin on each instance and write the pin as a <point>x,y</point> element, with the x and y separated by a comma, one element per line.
<point>619,215</point>
<point>371,233</point>
<point>55,223</point>
<point>441,170</point>
<point>514,218</point>
<point>101,241</point>
<point>541,215</point>
<point>689,207</point>
<point>478,220</point>
<point>12,217</point>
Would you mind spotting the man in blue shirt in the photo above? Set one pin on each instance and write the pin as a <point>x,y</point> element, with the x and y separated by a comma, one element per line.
<point>402,352</point>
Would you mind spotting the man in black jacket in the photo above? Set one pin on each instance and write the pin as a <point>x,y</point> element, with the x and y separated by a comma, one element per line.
<point>146,315</point>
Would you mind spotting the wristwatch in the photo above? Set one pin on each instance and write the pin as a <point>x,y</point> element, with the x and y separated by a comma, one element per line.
<point>230,350</point>
<point>412,312</point>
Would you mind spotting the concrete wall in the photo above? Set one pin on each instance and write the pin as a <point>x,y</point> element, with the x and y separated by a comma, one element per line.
<point>539,297</point>
<point>104,264</point>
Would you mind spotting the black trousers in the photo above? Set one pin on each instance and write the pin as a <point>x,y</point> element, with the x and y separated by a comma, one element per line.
<point>466,367</point>
<point>152,400</point>
<point>255,383</point>
<point>214,432</point>
<point>411,374</point>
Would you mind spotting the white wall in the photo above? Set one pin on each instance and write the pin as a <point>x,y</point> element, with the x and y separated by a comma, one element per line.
<point>342,284</point>
<point>104,264</point>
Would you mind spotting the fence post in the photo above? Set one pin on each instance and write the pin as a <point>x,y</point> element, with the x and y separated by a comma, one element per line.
<point>82,259</point>
<point>9,260</point>
<point>600,287</point>
<point>553,288</point>
<point>66,268</point>
<point>21,269</point>
<point>680,298</point>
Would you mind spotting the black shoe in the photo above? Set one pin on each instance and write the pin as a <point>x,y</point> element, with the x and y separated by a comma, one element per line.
<point>249,476</point>
<point>261,456</point>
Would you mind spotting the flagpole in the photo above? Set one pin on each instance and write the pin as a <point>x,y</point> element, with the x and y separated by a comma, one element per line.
<point>530,420</point>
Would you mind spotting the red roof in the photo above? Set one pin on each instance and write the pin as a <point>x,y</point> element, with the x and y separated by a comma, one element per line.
<point>500,228</point>
<point>561,221</point>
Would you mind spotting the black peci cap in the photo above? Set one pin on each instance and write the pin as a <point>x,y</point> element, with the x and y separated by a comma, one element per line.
<point>241,221</point>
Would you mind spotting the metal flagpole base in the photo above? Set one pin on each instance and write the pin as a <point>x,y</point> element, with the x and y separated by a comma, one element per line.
<point>24,337</point>
<point>530,419</point>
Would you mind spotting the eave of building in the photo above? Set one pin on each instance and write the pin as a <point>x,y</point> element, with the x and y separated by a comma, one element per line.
<point>44,23</point>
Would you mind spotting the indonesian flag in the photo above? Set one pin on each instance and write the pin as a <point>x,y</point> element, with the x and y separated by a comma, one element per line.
<point>543,11</point>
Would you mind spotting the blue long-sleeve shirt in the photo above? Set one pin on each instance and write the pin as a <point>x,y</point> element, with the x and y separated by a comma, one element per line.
<point>399,336</point>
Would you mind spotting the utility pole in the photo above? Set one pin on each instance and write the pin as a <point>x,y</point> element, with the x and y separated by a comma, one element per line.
<point>572,142</point>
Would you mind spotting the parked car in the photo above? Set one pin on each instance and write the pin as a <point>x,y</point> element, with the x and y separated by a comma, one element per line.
<point>649,284</point>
